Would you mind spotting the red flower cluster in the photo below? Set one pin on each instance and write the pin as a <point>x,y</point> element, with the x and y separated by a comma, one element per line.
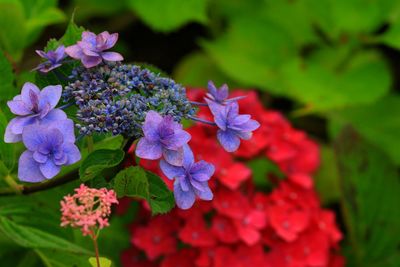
<point>242,227</point>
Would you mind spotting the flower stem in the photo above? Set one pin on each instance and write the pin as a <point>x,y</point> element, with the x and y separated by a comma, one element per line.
<point>96,250</point>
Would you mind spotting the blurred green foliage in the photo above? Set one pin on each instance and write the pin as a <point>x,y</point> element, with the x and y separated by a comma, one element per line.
<point>331,59</point>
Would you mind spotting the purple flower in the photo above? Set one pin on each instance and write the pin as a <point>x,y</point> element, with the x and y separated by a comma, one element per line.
<point>162,137</point>
<point>220,95</point>
<point>33,106</point>
<point>232,126</point>
<point>48,148</point>
<point>190,179</point>
<point>90,50</point>
<point>54,59</point>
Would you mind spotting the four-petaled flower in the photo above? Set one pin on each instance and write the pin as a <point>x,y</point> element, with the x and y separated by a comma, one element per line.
<point>232,126</point>
<point>90,50</point>
<point>33,106</point>
<point>162,137</point>
<point>220,95</point>
<point>54,59</point>
<point>48,148</point>
<point>190,179</point>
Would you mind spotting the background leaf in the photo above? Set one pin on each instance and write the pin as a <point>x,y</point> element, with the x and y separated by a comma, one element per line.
<point>368,179</point>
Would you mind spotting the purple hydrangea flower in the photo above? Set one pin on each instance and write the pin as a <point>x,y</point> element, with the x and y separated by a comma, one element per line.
<point>220,95</point>
<point>33,106</point>
<point>190,179</point>
<point>90,50</point>
<point>48,148</point>
<point>53,57</point>
<point>162,137</point>
<point>232,126</point>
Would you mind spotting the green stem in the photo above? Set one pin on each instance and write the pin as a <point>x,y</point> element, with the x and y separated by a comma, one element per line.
<point>16,188</point>
<point>90,143</point>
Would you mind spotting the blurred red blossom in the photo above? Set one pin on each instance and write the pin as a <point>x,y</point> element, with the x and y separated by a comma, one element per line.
<point>242,226</point>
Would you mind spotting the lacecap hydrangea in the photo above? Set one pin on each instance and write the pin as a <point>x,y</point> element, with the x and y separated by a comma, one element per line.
<point>111,97</point>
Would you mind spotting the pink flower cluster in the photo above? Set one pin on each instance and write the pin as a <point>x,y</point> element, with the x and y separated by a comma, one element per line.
<point>243,226</point>
<point>87,209</point>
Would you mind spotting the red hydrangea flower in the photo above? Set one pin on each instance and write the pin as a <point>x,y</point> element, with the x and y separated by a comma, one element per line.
<point>155,239</point>
<point>224,229</point>
<point>182,258</point>
<point>196,234</point>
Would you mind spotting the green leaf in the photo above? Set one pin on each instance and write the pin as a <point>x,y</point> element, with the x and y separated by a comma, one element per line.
<point>379,123</point>
<point>104,262</point>
<point>136,182</point>
<point>323,86</point>
<point>7,151</point>
<point>7,88</point>
<point>132,182</point>
<point>161,198</point>
<point>12,17</point>
<point>197,69</point>
<point>252,50</point>
<point>169,15</point>
<point>99,160</point>
<point>327,178</point>
<point>30,237</point>
<point>51,258</point>
<point>261,168</point>
<point>370,193</point>
<point>73,33</point>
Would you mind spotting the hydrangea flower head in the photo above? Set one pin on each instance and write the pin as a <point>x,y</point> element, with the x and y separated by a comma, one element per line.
<point>115,98</point>
<point>88,209</point>
<point>91,49</point>
<point>48,148</point>
<point>33,106</point>
<point>232,126</point>
<point>220,95</point>
<point>162,137</point>
<point>54,59</point>
<point>190,179</point>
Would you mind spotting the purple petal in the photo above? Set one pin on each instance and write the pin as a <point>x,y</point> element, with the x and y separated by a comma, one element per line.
<point>229,140</point>
<point>150,126</point>
<point>50,95</point>
<point>244,135</point>
<point>19,123</point>
<point>49,169</point>
<point>198,185</point>
<point>88,37</point>
<point>232,110</point>
<point>188,158</point>
<point>251,125</point>
<point>9,136</point>
<point>63,160</point>
<point>219,113</point>
<point>206,194</point>
<point>176,140</point>
<point>39,157</point>
<point>41,53</point>
<point>240,119</point>
<point>27,90</point>
<point>87,50</point>
<point>74,51</point>
<point>54,116</point>
<point>33,136</point>
<point>60,53</point>
<point>202,171</point>
<point>90,62</point>
<point>173,157</point>
<point>28,169</point>
<point>184,200</point>
<point>212,89</point>
<point>111,40</point>
<point>147,149</point>
<point>112,56</point>
<point>222,93</point>
<point>54,137</point>
<point>171,171</point>
<point>72,152</point>
<point>184,183</point>
<point>66,127</point>
<point>19,108</point>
